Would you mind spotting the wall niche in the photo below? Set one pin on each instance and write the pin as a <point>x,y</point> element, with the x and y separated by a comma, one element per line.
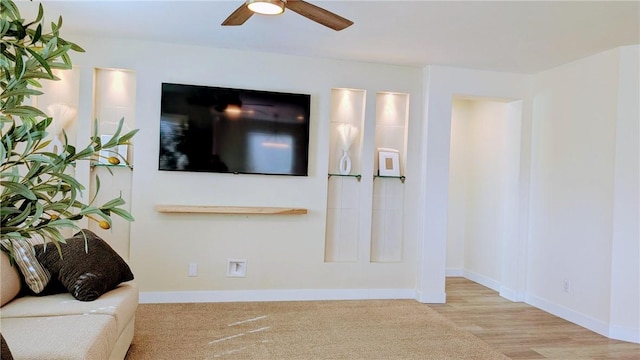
<point>114,98</point>
<point>344,191</point>
<point>387,225</point>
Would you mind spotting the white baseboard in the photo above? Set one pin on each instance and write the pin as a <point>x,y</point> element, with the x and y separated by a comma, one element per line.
<point>624,334</point>
<point>505,292</point>
<point>511,295</point>
<point>569,315</point>
<point>431,298</point>
<point>602,328</point>
<point>482,280</point>
<point>454,272</point>
<point>612,332</point>
<point>157,297</point>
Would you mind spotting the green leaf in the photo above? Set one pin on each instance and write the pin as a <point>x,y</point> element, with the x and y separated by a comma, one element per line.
<point>42,158</point>
<point>70,150</point>
<point>123,214</point>
<point>41,60</point>
<point>35,182</point>
<point>20,92</point>
<point>19,189</point>
<point>89,210</point>
<point>69,180</point>
<point>8,210</point>
<point>124,139</point>
<point>36,37</point>
<point>43,145</point>
<point>83,154</point>
<point>40,13</point>
<point>34,171</point>
<point>10,10</point>
<point>19,66</point>
<point>113,141</point>
<point>58,52</point>
<point>113,203</point>
<point>97,189</point>
<point>25,110</point>
<point>39,210</point>
<point>20,218</point>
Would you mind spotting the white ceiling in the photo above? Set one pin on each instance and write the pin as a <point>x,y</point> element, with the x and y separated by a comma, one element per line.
<point>512,36</point>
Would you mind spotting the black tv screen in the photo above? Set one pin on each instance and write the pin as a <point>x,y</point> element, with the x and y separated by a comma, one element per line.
<point>225,130</point>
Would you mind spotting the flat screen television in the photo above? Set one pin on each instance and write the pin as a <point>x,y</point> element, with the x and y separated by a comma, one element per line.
<point>240,131</point>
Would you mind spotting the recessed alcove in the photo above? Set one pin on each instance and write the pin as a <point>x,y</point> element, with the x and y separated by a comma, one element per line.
<point>387,224</point>
<point>114,98</point>
<point>483,186</point>
<point>60,101</point>
<point>343,202</point>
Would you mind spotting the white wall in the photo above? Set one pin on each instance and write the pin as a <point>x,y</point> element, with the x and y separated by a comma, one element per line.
<point>483,180</point>
<point>577,253</point>
<point>583,182</point>
<point>625,270</point>
<point>585,158</point>
<point>458,187</point>
<point>442,84</point>
<point>282,252</point>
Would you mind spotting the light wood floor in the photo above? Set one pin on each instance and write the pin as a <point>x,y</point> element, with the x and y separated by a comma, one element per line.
<point>521,331</point>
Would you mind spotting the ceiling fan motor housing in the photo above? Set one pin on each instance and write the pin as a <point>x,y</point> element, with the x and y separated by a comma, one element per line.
<point>267,7</point>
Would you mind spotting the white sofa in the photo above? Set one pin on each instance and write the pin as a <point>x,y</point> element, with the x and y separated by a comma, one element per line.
<point>61,327</point>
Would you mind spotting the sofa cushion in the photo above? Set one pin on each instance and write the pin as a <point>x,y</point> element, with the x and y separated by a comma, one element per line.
<point>72,337</point>
<point>5,352</point>
<point>35,275</point>
<point>87,269</point>
<point>120,303</point>
<point>9,279</point>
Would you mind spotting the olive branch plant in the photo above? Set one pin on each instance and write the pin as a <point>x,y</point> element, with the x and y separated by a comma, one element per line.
<point>39,195</point>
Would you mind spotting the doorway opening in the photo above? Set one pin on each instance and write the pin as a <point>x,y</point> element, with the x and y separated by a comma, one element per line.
<point>484,188</point>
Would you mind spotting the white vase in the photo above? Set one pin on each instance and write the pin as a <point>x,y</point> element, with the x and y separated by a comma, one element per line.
<point>345,163</point>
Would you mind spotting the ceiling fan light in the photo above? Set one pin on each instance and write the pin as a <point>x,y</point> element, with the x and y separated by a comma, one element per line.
<point>266,7</point>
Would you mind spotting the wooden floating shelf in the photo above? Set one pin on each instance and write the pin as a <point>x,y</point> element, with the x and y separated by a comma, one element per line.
<point>243,210</point>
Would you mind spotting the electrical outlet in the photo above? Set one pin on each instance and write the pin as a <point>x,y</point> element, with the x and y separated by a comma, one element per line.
<point>566,286</point>
<point>236,268</point>
<point>193,269</point>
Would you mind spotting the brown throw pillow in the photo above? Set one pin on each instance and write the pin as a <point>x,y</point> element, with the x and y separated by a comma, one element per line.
<point>85,274</point>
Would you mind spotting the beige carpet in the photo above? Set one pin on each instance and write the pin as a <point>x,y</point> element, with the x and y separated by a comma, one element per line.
<point>373,329</point>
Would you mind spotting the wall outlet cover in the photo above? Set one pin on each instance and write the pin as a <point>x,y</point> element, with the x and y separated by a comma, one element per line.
<point>237,268</point>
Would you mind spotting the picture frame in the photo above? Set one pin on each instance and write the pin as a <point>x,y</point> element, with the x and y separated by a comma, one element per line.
<point>388,162</point>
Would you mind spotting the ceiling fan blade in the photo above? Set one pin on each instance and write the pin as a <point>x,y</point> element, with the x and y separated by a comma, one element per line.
<point>238,17</point>
<point>318,14</point>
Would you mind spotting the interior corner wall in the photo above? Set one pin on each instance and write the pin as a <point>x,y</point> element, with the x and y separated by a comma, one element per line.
<point>442,84</point>
<point>584,158</point>
<point>283,253</point>
<point>625,257</point>
<point>458,187</point>
<point>483,187</point>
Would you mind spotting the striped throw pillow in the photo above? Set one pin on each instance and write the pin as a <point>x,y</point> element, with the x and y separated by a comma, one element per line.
<point>35,275</point>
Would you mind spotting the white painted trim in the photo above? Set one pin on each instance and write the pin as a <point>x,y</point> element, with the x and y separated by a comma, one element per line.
<point>624,334</point>
<point>569,315</point>
<point>156,297</point>
<point>482,280</point>
<point>511,294</point>
<point>454,272</point>
<point>505,292</point>
<point>431,298</point>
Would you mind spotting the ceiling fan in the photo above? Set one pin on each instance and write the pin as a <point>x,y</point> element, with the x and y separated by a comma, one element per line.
<point>275,7</point>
